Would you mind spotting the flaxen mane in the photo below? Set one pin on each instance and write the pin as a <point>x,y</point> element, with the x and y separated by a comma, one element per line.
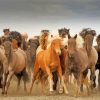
<point>44,39</point>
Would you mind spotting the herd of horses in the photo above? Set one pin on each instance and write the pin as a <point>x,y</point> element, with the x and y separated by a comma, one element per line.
<point>55,63</point>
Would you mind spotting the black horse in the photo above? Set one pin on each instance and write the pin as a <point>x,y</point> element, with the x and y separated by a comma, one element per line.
<point>97,47</point>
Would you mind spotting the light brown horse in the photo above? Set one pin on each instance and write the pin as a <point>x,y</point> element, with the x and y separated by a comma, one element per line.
<point>48,61</point>
<point>3,68</point>
<point>17,62</point>
<point>76,62</point>
<point>88,36</point>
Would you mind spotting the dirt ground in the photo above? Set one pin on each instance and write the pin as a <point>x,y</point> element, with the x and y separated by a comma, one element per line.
<point>37,93</point>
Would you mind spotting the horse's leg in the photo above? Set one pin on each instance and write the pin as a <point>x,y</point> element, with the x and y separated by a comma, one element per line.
<point>93,77</point>
<point>8,80</point>
<point>83,78</point>
<point>50,78</point>
<point>4,82</point>
<point>78,85</point>
<point>25,88</point>
<point>18,83</point>
<point>99,80</point>
<point>62,83</point>
<point>55,79</point>
<point>35,71</point>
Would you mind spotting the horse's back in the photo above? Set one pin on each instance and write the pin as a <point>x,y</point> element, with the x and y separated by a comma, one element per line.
<point>21,60</point>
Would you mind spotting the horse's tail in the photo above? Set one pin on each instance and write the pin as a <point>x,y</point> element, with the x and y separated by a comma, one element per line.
<point>43,41</point>
<point>26,76</point>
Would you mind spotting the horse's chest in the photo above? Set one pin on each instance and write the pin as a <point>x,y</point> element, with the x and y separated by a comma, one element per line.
<point>73,67</point>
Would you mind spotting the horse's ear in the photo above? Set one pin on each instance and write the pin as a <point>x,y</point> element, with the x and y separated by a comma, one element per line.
<point>69,36</point>
<point>75,36</point>
<point>69,29</point>
<point>93,32</point>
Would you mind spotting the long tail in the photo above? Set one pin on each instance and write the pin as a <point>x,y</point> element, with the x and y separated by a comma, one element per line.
<point>25,75</point>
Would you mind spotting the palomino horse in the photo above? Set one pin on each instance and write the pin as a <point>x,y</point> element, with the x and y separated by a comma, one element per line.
<point>76,62</point>
<point>88,36</point>
<point>48,61</point>
<point>97,47</point>
<point>17,62</point>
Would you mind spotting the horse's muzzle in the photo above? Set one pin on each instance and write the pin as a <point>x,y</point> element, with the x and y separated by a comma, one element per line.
<point>58,51</point>
<point>71,55</point>
<point>7,55</point>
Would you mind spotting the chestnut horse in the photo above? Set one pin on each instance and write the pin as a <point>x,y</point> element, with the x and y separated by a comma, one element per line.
<point>88,36</point>
<point>48,61</point>
<point>76,62</point>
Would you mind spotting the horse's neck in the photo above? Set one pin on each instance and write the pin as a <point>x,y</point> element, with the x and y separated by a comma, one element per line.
<point>10,59</point>
<point>52,52</point>
<point>33,47</point>
<point>85,47</point>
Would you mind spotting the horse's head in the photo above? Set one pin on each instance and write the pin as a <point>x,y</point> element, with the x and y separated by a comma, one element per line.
<point>63,32</point>
<point>98,40</point>
<point>88,36</point>
<point>57,43</point>
<point>72,45</point>
<point>33,42</point>
<point>7,47</point>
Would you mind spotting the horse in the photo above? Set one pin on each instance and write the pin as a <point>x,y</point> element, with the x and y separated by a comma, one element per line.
<point>17,62</point>
<point>76,62</point>
<point>17,36</point>
<point>63,33</point>
<point>31,53</point>
<point>88,36</point>
<point>97,67</point>
<point>48,61</point>
<point>3,68</point>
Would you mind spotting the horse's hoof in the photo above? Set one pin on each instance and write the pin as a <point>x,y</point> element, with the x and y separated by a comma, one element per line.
<point>66,92</point>
<point>75,95</point>
<point>0,86</point>
<point>60,91</point>
<point>2,92</point>
<point>94,85</point>
<point>5,95</point>
<point>51,92</point>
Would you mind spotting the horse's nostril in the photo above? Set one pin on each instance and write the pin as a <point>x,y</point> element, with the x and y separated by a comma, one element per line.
<point>6,54</point>
<point>58,52</point>
<point>71,55</point>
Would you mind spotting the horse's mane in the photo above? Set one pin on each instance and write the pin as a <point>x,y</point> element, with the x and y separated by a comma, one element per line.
<point>98,37</point>
<point>79,41</point>
<point>86,31</point>
<point>43,41</point>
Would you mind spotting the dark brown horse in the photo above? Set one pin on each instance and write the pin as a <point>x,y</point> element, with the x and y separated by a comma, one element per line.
<point>63,33</point>
<point>97,47</point>
<point>31,53</point>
